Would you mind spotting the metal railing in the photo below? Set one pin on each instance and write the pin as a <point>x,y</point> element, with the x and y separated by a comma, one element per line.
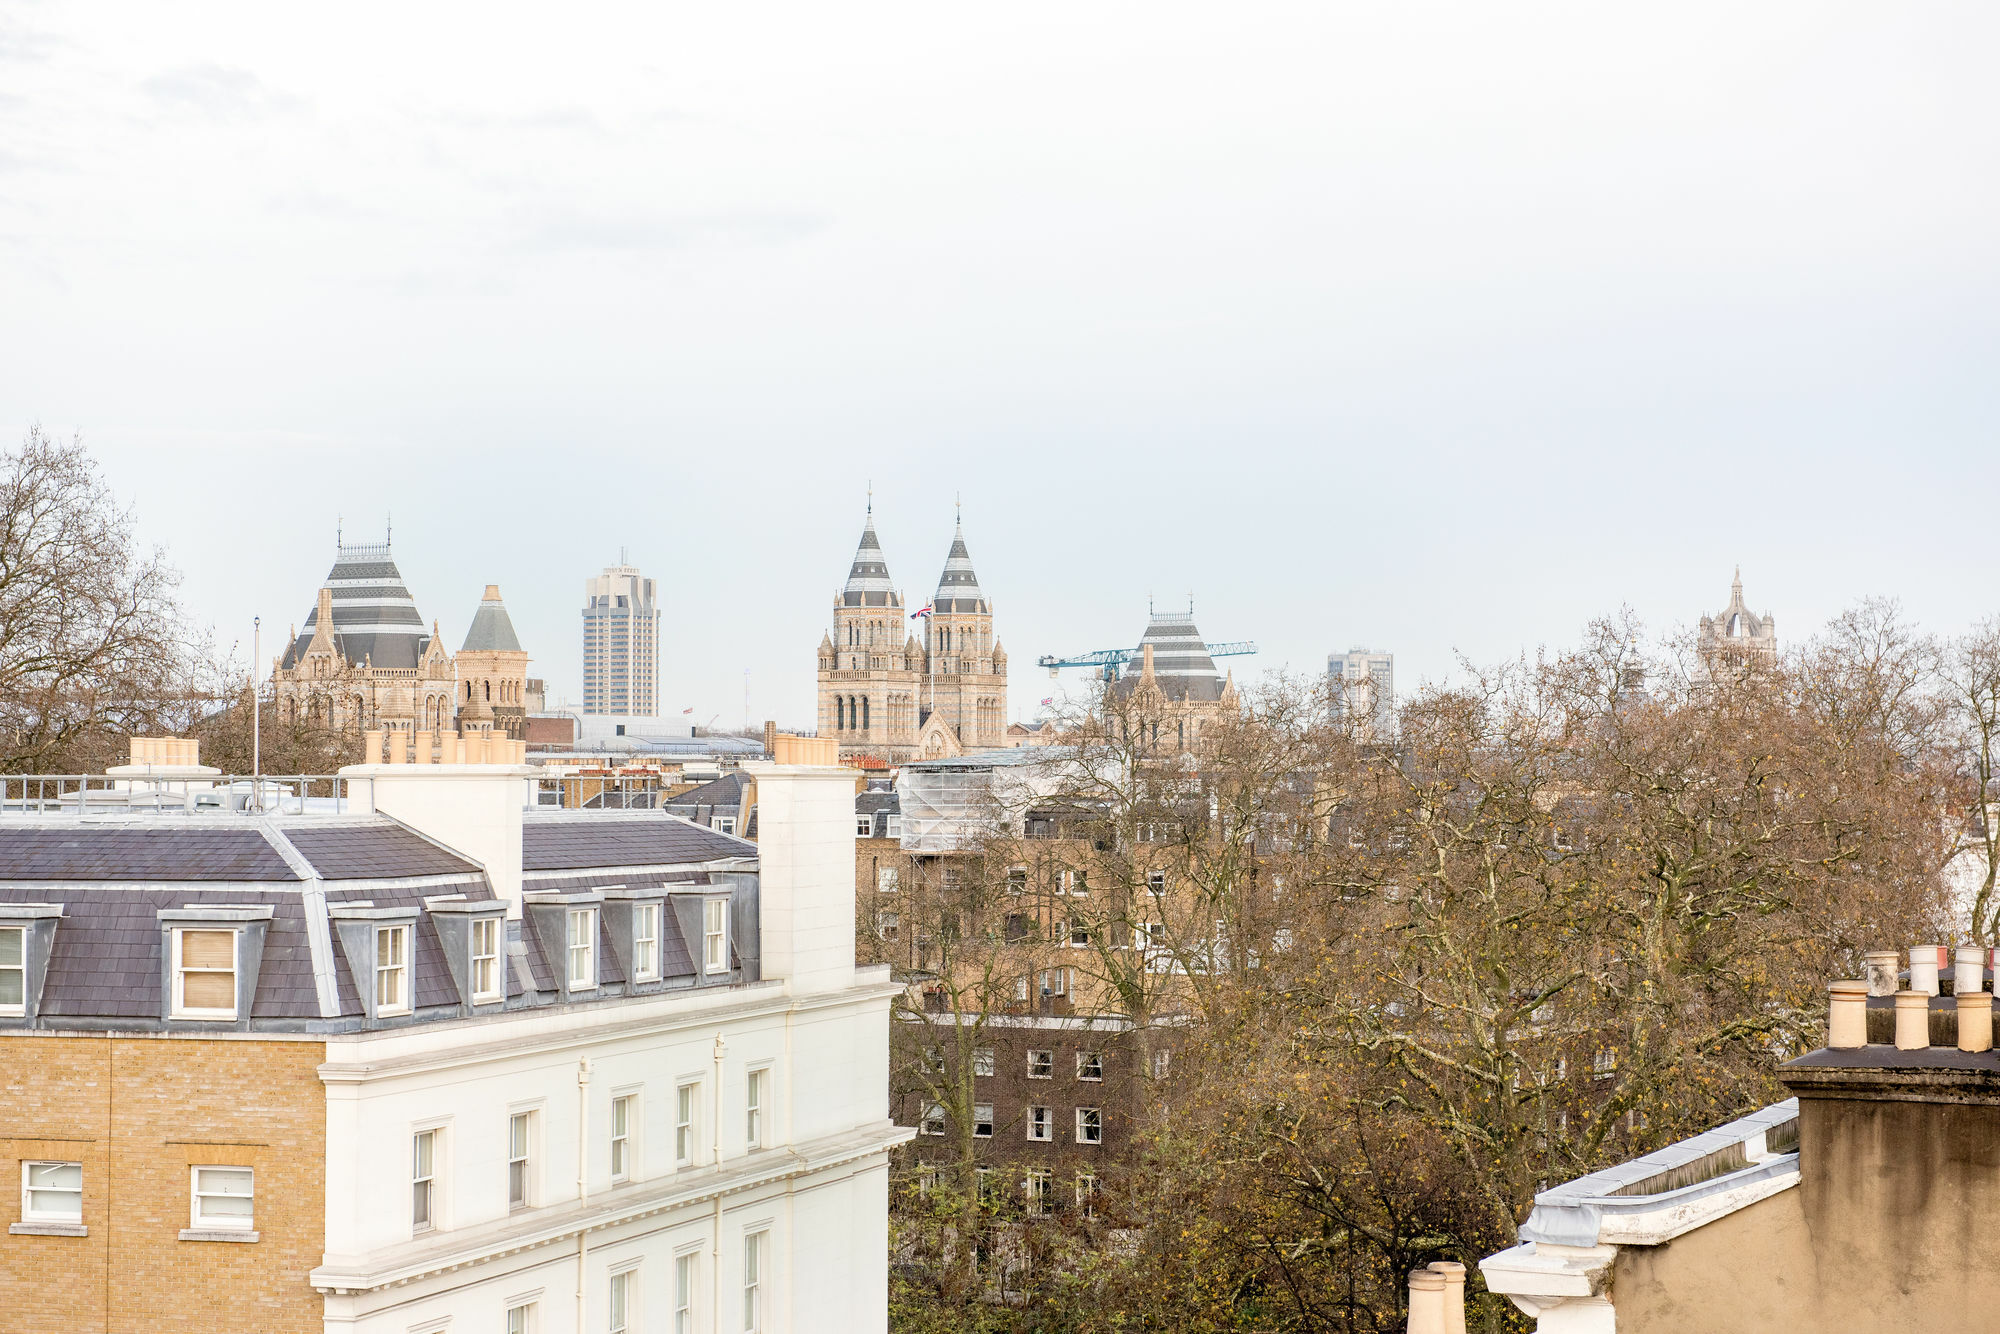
<point>242,794</point>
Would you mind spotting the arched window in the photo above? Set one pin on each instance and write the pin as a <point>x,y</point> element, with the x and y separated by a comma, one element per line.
<point>486,691</point>
<point>840,713</point>
<point>864,713</point>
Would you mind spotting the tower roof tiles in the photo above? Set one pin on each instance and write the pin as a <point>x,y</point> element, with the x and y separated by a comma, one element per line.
<point>375,620</point>
<point>868,578</point>
<point>958,587</point>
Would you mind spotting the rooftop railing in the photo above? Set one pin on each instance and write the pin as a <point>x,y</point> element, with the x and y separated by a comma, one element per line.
<point>219,794</point>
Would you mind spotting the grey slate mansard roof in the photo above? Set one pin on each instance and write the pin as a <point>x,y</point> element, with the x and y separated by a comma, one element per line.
<point>112,877</point>
<point>1181,664</point>
<point>374,617</point>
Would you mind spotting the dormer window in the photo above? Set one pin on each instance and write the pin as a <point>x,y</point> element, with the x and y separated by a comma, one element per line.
<point>486,960</point>
<point>582,948</point>
<point>715,936</point>
<point>392,970</point>
<point>646,942</point>
<point>13,970</point>
<point>204,973</point>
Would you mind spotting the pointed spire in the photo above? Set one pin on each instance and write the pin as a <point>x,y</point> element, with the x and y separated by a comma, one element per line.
<point>868,577</point>
<point>958,587</point>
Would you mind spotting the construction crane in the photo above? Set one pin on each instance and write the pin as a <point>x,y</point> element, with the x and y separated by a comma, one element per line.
<point>1109,662</point>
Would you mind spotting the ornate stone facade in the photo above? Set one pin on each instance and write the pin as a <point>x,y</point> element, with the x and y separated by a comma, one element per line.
<point>1738,638</point>
<point>1176,690</point>
<point>883,691</point>
<point>364,659</point>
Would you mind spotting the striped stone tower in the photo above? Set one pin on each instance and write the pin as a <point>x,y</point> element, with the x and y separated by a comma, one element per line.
<point>365,658</point>
<point>1174,689</point>
<point>966,684</point>
<point>870,667</point>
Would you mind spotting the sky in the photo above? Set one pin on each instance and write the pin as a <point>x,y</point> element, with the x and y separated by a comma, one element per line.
<point>1440,328</point>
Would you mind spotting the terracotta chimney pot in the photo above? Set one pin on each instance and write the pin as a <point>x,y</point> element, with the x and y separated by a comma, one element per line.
<point>1847,1015</point>
<point>1913,1021</point>
<point>371,746</point>
<point>399,746</point>
<point>1426,1302</point>
<point>1879,967</point>
<point>1975,1021</point>
<point>1454,1294</point>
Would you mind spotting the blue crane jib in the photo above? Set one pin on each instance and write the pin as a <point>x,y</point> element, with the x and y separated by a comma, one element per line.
<point>1111,661</point>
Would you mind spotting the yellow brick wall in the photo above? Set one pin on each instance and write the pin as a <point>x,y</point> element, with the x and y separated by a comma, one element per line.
<point>138,1113</point>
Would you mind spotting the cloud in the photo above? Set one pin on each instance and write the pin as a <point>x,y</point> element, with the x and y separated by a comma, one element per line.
<point>219,94</point>
<point>23,46</point>
<point>643,231</point>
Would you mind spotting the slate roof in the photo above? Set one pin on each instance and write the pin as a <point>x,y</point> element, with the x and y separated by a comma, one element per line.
<point>492,629</point>
<point>724,791</point>
<point>868,578</point>
<point>574,842</point>
<point>958,587</point>
<point>374,617</point>
<point>374,851</point>
<point>86,851</point>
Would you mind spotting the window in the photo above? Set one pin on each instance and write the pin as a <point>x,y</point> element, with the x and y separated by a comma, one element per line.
<point>392,970</point>
<point>1089,1065</point>
<point>982,1060</point>
<point>520,1133</point>
<point>864,825</point>
<point>1086,1194</point>
<point>624,1302</point>
<point>684,1104</point>
<point>1017,880</point>
<point>715,935</point>
<point>423,1181</point>
<point>753,1108</point>
<point>521,1319</point>
<point>1080,885</point>
<point>623,1114</point>
<point>1021,988</point>
<point>753,1281</point>
<point>987,1183</point>
<point>646,942</point>
<point>582,948</point>
<point>725,824</point>
<point>52,1192</point>
<point>223,1199</point>
<point>982,1120</point>
<point>1055,982</point>
<point>933,1061</point>
<point>1041,1065</point>
<point>1156,882</point>
<point>1041,1124</point>
<point>885,879</point>
<point>1036,1189</point>
<point>888,925</point>
<point>927,1178</point>
<point>486,959</point>
<point>13,970</point>
<point>1089,1126</point>
<point>1079,936</point>
<point>1604,1064</point>
<point>204,974</point>
<point>895,829</point>
<point>685,1280</point>
<point>1161,1059</point>
<point>932,1121</point>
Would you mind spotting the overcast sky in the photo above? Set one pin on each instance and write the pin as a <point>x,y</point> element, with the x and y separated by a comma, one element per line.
<point>1436,328</point>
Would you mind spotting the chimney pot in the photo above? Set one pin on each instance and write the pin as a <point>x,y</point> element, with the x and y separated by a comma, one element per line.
<point>1969,969</point>
<point>1925,961</point>
<point>1847,1015</point>
<point>399,746</point>
<point>1454,1294</point>
<point>420,748</point>
<point>1879,967</point>
<point>1975,1021</point>
<point>371,746</point>
<point>1426,1302</point>
<point>1913,1021</point>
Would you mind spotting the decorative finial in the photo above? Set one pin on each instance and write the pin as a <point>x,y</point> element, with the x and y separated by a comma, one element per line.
<point>338,520</point>
<point>958,509</point>
<point>871,497</point>
<point>388,529</point>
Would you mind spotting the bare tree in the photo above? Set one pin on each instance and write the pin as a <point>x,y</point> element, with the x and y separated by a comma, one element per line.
<point>1970,687</point>
<point>91,637</point>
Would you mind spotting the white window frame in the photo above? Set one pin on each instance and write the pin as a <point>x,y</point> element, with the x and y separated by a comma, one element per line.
<point>864,825</point>
<point>756,1266</point>
<point>521,1318</point>
<point>895,827</point>
<point>687,1290</point>
<point>1162,1062</point>
<point>724,824</point>
<point>1047,1065</point>
<point>621,1300</point>
<point>687,1122</point>
<point>1035,1191</point>
<point>1096,1121</point>
<point>888,926</point>
<point>982,1115</point>
<point>392,978</point>
<point>487,985</point>
<point>1090,1066</point>
<point>200,1221</point>
<point>181,1009</point>
<point>756,1108</point>
<point>528,1119</point>
<point>424,1143</point>
<point>30,1214</point>
<point>932,1120</point>
<point>582,951</point>
<point>1156,883</point>
<point>1041,1125</point>
<point>982,1061</point>
<point>646,942</point>
<point>887,880</point>
<point>18,969</point>
<point>624,1139</point>
<point>714,936</point>
<point>1086,1194</point>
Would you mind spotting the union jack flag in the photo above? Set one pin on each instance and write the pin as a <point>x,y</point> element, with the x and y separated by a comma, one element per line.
<point>924,610</point>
